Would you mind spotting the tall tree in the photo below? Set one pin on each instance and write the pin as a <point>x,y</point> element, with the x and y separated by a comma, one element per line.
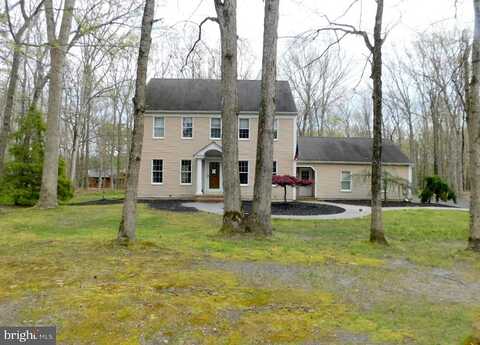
<point>376,226</point>
<point>377,234</point>
<point>17,38</point>
<point>58,47</point>
<point>127,229</point>
<point>473,121</point>
<point>260,220</point>
<point>227,20</point>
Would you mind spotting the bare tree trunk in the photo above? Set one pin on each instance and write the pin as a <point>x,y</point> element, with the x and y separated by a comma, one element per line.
<point>58,50</point>
<point>40,80</point>
<point>13,76</point>
<point>436,137</point>
<point>466,97</point>
<point>377,234</point>
<point>86,158</point>
<point>113,181</point>
<point>119,145</point>
<point>260,220</point>
<point>412,151</point>
<point>83,113</point>
<point>474,136</point>
<point>127,229</point>
<point>227,20</point>
<point>73,160</point>
<point>7,114</point>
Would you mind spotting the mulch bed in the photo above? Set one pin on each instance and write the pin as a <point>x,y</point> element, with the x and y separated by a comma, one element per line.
<point>169,205</point>
<point>389,203</point>
<point>166,205</point>
<point>96,202</point>
<point>294,208</point>
<point>278,208</point>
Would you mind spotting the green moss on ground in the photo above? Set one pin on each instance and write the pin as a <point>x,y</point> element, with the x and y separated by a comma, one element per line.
<point>62,267</point>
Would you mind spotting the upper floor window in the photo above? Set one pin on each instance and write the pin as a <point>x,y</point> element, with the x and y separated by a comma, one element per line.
<point>275,129</point>
<point>244,129</point>
<point>158,127</point>
<point>346,181</point>
<point>243,170</point>
<point>274,168</point>
<point>215,128</point>
<point>187,127</point>
<point>186,172</point>
<point>157,171</point>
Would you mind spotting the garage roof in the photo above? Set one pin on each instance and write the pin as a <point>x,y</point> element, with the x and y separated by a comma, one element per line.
<point>352,150</point>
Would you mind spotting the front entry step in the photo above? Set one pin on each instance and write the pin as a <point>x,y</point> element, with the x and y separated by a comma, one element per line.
<point>209,198</point>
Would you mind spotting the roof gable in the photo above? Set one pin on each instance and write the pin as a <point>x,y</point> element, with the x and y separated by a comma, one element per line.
<point>205,95</point>
<point>353,150</point>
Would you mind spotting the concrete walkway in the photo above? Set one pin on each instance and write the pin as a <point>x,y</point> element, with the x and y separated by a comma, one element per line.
<point>351,211</point>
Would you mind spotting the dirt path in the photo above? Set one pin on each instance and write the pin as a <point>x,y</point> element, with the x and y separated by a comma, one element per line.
<point>397,279</point>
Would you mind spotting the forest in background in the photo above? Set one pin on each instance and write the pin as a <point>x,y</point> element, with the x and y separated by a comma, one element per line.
<point>424,85</point>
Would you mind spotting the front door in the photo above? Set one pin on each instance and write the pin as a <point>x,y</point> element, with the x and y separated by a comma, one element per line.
<point>214,175</point>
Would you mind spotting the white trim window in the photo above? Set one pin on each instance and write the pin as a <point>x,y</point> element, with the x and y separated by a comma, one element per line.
<point>215,128</point>
<point>187,127</point>
<point>346,181</point>
<point>157,171</point>
<point>243,129</point>
<point>243,172</point>
<point>274,168</point>
<point>158,127</point>
<point>276,124</point>
<point>186,172</point>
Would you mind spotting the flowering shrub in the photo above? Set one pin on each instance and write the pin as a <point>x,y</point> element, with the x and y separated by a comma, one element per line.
<point>286,181</point>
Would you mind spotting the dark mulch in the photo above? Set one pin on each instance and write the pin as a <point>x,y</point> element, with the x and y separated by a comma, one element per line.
<point>96,202</point>
<point>278,208</point>
<point>166,205</point>
<point>389,203</point>
<point>169,205</point>
<point>298,208</point>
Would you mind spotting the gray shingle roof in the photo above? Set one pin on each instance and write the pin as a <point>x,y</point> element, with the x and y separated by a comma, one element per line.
<point>354,150</point>
<point>205,95</point>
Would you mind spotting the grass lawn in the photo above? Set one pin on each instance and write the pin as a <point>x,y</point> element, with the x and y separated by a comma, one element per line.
<point>313,282</point>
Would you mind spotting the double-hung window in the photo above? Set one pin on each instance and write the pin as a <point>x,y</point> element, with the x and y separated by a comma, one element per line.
<point>187,127</point>
<point>157,171</point>
<point>186,172</point>
<point>243,170</point>
<point>275,129</point>
<point>158,127</point>
<point>215,128</point>
<point>274,168</point>
<point>244,128</point>
<point>346,181</point>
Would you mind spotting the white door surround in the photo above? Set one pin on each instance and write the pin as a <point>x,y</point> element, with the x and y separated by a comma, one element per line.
<point>209,160</point>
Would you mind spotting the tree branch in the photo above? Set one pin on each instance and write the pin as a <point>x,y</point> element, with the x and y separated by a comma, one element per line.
<point>199,39</point>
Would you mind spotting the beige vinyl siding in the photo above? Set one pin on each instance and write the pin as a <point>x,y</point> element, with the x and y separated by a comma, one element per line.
<point>172,149</point>
<point>328,180</point>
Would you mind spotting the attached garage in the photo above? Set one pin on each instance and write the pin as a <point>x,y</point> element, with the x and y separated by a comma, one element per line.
<point>340,168</point>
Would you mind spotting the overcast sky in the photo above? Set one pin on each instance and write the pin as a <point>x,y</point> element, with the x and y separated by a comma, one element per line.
<point>403,18</point>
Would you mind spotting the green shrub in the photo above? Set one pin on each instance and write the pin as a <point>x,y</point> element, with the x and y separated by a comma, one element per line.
<point>436,187</point>
<point>23,175</point>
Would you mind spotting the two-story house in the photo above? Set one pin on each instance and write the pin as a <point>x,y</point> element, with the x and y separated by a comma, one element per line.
<point>182,147</point>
